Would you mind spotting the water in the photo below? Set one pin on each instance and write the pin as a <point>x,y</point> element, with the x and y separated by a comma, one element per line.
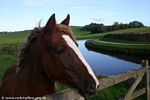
<point>105,64</point>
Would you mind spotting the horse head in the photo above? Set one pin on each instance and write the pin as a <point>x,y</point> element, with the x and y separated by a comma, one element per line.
<point>63,60</point>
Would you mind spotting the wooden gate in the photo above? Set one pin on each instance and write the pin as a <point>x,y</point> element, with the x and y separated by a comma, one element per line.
<point>141,74</point>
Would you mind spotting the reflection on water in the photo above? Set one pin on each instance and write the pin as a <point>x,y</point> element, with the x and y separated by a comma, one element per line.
<point>105,64</point>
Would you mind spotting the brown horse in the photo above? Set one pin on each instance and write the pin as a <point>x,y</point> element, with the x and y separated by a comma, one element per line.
<point>49,55</point>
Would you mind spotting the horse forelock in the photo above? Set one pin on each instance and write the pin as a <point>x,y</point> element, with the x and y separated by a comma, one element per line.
<point>66,29</point>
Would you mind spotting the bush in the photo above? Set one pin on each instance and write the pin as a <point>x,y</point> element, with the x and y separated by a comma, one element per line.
<point>94,28</point>
<point>135,24</point>
<point>100,28</point>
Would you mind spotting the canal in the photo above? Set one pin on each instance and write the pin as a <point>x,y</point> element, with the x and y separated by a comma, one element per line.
<point>108,64</point>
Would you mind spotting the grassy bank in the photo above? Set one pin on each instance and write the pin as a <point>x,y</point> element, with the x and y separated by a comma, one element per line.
<point>124,31</point>
<point>132,49</point>
<point>133,41</point>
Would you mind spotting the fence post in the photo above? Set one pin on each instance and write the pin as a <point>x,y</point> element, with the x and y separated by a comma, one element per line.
<point>145,64</point>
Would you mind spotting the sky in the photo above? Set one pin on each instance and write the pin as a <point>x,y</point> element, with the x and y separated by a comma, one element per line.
<point>19,15</point>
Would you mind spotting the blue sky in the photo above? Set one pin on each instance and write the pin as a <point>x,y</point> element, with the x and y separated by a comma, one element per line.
<point>16,15</point>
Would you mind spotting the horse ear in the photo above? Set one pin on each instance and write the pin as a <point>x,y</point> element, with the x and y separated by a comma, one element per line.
<point>51,24</point>
<point>66,21</point>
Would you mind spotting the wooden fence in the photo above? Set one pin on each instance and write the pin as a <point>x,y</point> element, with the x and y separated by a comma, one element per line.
<point>141,74</point>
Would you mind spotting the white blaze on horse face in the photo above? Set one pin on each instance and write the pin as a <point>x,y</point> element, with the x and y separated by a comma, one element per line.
<point>71,44</point>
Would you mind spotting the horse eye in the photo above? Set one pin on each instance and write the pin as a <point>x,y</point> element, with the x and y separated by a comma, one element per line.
<point>60,50</point>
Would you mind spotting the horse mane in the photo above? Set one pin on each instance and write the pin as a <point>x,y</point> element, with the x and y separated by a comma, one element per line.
<point>25,48</point>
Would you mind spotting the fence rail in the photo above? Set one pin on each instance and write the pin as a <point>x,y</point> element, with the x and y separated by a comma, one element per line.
<point>141,74</point>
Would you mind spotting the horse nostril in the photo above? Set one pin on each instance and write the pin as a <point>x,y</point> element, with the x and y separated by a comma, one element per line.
<point>98,86</point>
<point>91,89</point>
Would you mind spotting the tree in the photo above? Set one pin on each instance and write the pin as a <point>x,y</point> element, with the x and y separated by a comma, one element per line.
<point>136,24</point>
<point>109,28</point>
<point>116,26</point>
<point>95,28</point>
<point>123,26</point>
<point>100,28</point>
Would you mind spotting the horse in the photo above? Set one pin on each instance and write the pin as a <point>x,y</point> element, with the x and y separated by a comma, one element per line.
<point>50,54</point>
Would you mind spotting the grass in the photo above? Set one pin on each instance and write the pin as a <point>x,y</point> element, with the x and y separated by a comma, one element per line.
<point>123,31</point>
<point>19,37</point>
<point>77,31</point>
<point>112,93</point>
<point>14,38</point>
<point>123,41</point>
<point>6,60</point>
<point>133,49</point>
<point>132,30</point>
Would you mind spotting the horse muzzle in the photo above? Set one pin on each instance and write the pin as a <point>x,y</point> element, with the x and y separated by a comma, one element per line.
<point>89,90</point>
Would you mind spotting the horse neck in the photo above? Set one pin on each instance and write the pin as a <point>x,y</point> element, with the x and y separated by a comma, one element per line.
<point>35,71</point>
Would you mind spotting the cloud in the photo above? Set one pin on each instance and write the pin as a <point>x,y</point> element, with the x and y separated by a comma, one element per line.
<point>98,20</point>
<point>104,16</point>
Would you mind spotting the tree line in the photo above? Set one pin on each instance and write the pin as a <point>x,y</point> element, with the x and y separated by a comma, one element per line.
<point>100,28</point>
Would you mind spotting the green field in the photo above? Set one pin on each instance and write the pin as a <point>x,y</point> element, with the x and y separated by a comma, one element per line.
<point>77,31</point>
<point>19,37</point>
<point>15,38</point>
<point>100,35</point>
